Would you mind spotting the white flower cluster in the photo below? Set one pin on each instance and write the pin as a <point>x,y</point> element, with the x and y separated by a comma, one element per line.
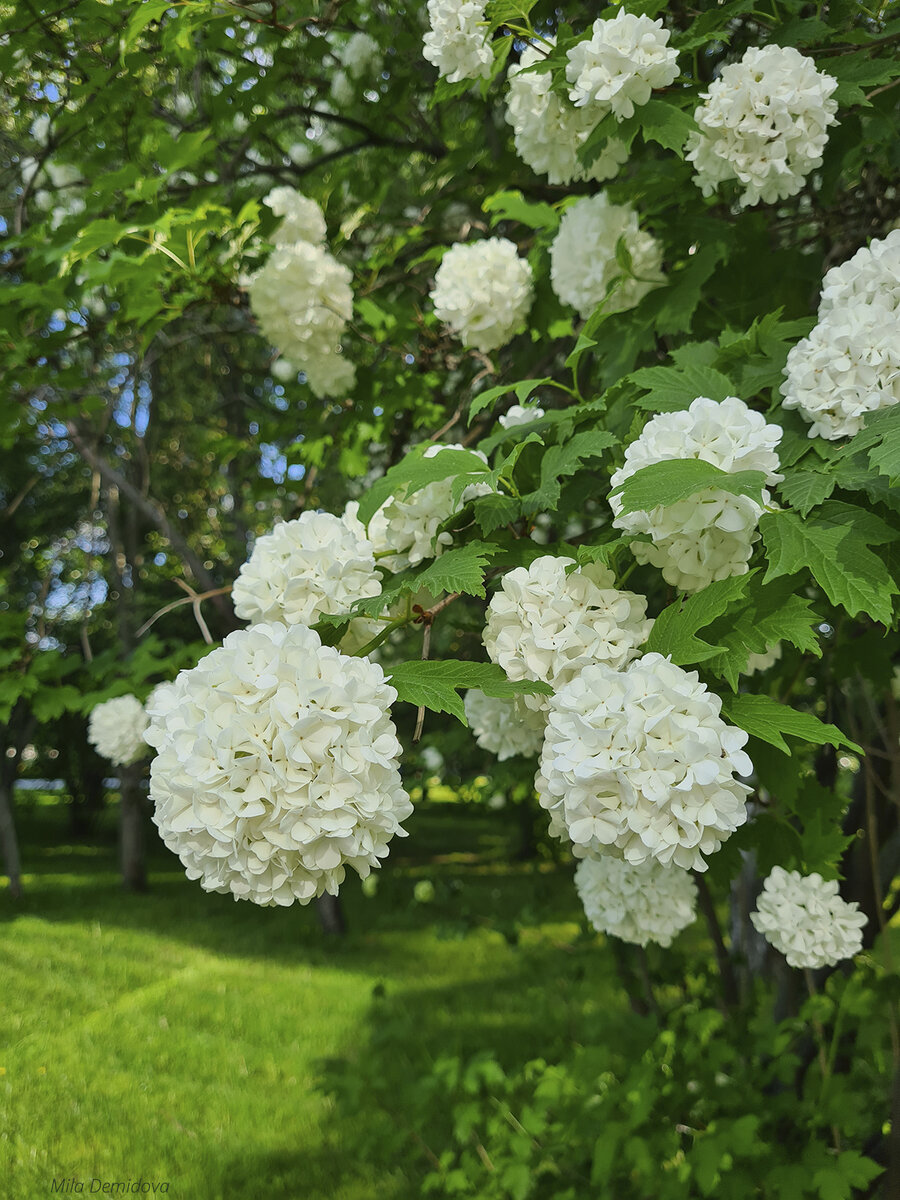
<point>584,270</point>
<point>548,133</point>
<point>277,766</point>
<point>404,530</point>
<point>116,730</point>
<point>620,63</point>
<point>709,535</point>
<point>483,291</point>
<point>303,220</point>
<point>637,902</point>
<point>547,625</point>
<point>764,122</point>
<point>639,762</point>
<point>850,363</point>
<point>520,414</point>
<point>359,57</point>
<point>504,726</point>
<point>456,43</point>
<point>302,300</point>
<point>805,919</point>
<point>757,663</point>
<point>316,564</point>
<point>872,274</point>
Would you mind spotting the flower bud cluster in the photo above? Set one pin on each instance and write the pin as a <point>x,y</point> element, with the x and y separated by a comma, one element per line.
<point>620,63</point>
<point>116,730</point>
<point>456,42</point>
<point>504,727</point>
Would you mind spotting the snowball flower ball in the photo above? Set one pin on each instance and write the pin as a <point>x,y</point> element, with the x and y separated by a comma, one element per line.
<point>872,275</point>
<point>116,730</point>
<point>277,767</point>
<point>303,220</point>
<point>757,663</point>
<point>548,133</point>
<point>805,919</point>
<point>361,55</point>
<point>848,366</point>
<point>404,530</point>
<point>520,415</point>
<point>317,564</point>
<point>302,300</point>
<point>710,534</point>
<point>583,261</point>
<point>483,291</point>
<point>764,122</point>
<point>544,624</point>
<point>637,902</point>
<point>620,63</point>
<point>639,762</point>
<point>504,726</point>
<point>456,43</point>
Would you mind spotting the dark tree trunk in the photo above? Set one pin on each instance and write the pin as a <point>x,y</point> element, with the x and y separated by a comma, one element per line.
<point>132,821</point>
<point>331,915</point>
<point>9,843</point>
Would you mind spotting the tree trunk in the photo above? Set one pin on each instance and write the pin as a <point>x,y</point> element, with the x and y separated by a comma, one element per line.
<point>131,831</point>
<point>9,844</point>
<point>331,915</point>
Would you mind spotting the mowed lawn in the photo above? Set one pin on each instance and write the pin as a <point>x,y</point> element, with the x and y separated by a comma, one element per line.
<point>179,1036</point>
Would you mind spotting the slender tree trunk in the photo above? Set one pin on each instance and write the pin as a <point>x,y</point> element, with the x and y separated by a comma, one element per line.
<point>331,915</point>
<point>132,821</point>
<point>9,843</point>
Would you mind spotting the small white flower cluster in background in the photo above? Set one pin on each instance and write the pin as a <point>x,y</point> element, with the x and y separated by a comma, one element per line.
<point>277,766</point>
<point>483,291</point>
<point>638,903</point>
<point>116,730</point>
<point>316,564</point>
<point>709,535</point>
<point>543,624</point>
<point>520,414</point>
<point>456,42</point>
<point>504,727</point>
<point>805,919</point>
<point>764,122</point>
<point>360,58</point>
<point>548,133</point>
<point>302,297</point>
<point>619,65</point>
<point>639,762</point>
<point>850,363</point>
<point>757,663</point>
<point>584,269</point>
<point>404,530</point>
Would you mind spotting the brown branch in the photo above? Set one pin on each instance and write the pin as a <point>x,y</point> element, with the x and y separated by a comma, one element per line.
<point>726,968</point>
<point>151,510</point>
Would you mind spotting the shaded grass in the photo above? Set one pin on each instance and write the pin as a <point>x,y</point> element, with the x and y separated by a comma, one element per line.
<point>179,1036</point>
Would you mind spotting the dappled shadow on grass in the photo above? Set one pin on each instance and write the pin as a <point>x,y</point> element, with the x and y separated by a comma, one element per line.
<point>476,888</point>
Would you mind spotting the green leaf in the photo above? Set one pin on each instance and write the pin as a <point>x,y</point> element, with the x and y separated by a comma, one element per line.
<point>666,124</point>
<point>804,490</point>
<point>416,471</point>
<point>674,630</point>
<point>458,570</point>
<point>493,511</point>
<point>512,206</point>
<point>584,343</point>
<point>668,482</point>
<point>51,702</point>
<point>832,544</point>
<point>673,388</point>
<point>765,718</point>
<point>436,685</point>
<point>563,460</point>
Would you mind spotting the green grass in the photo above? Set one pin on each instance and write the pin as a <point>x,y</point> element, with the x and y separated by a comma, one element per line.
<point>180,1036</point>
